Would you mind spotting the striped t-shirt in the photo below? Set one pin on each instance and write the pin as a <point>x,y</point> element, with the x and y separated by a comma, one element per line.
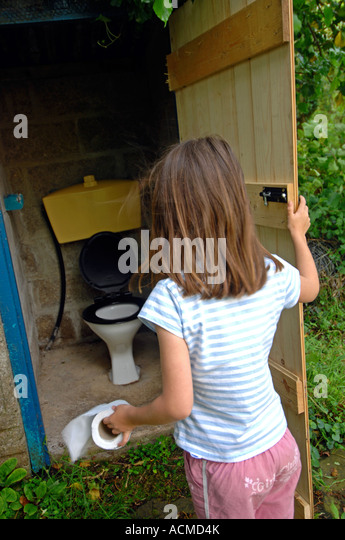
<point>236,414</point>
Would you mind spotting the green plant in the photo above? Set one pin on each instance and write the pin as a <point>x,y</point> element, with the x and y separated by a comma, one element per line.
<point>325,355</point>
<point>41,497</point>
<point>143,10</point>
<point>320,55</point>
<point>155,457</point>
<point>31,497</point>
<point>96,490</point>
<point>335,512</point>
<point>9,498</point>
<point>320,89</point>
<point>321,163</point>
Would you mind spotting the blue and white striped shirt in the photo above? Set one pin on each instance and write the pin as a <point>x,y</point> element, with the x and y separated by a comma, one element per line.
<point>236,414</point>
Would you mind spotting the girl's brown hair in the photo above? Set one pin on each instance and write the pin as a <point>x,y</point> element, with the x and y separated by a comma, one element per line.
<point>197,190</point>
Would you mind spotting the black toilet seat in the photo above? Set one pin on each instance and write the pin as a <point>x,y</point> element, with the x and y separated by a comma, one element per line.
<point>89,314</point>
<point>98,263</point>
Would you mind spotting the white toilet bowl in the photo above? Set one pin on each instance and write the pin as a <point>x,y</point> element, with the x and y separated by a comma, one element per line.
<point>115,325</point>
<point>113,316</point>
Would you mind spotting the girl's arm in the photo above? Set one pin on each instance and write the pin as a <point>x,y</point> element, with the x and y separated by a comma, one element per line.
<point>176,400</point>
<point>298,224</point>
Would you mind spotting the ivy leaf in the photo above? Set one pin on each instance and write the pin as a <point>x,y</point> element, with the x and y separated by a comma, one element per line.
<point>328,14</point>
<point>161,9</point>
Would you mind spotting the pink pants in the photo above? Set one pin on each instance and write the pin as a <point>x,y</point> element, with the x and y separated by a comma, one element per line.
<point>262,487</point>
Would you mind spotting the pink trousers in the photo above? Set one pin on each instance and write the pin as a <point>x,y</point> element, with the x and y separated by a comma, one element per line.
<point>262,487</point>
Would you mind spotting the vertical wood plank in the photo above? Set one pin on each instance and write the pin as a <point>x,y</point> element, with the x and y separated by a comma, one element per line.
<point>262,121</point>
<point>244,103</point>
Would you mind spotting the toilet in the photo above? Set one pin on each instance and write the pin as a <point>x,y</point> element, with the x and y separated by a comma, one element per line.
<point>113,315</point>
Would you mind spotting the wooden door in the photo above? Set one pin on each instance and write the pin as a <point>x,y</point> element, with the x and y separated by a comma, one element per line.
<point>232,71</point>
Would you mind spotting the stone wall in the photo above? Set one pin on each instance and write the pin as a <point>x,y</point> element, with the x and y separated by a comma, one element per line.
<point>12,436</point>
<point>106,118</point>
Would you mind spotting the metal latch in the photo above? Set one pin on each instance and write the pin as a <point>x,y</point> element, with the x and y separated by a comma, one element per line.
<point>274,194</point>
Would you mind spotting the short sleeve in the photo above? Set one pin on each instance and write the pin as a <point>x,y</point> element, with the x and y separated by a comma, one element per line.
<point>162,308</point>
<point>291,284</point>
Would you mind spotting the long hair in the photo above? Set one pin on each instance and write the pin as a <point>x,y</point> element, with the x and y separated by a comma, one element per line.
<point>197,191</point>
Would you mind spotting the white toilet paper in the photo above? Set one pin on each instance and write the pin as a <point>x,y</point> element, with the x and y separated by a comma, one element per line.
<point>102,436</point>
<point>78,433</point>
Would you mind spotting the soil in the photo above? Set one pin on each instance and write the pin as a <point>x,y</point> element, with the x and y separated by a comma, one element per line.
<point>333,493</point>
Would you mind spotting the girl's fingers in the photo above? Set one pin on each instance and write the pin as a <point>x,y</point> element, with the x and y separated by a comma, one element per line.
<point>125,438</point>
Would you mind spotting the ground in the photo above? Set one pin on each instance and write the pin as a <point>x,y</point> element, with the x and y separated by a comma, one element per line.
<point>333,493</point>
<point>74,379</point>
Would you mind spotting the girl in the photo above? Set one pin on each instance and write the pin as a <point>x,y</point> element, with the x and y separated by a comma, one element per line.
<point>215,336</point>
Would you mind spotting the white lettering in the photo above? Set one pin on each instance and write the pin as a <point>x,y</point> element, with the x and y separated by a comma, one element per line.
<point>321,390</point>
<point>170,4</point>
<point>21,390</point>
<point>321,130</point>
<point>21,131</point>
<point>173,511</point>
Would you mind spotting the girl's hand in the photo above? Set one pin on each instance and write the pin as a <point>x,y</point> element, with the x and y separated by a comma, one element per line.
<point>299,221</point>
<point>119,422</point>
<point>298,224</point>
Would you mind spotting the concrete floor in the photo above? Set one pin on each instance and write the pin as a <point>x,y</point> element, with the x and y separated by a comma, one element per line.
<point>74,379</point>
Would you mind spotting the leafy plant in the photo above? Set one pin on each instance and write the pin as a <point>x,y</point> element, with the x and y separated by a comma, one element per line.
<point>9,498</point>
<point>30,498</point>
<point>335,512</point>
<point>320,89</point>
<point>320,53</point>
<point>325,355</point>
<point>94,490</point>
<point>143,10</point>
<point>156,456</point>
<point>322,181</point>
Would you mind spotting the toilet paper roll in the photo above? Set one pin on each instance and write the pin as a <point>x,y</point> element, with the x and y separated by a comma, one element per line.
<point>102,435</point>
<point>78,433</point>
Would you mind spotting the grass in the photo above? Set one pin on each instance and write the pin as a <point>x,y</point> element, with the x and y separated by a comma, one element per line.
<point>325,355</point>
<point>102,490</point>
<point>97,490</point>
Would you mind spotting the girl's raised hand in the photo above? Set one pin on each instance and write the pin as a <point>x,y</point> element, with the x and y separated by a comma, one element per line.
<point>299,221</point>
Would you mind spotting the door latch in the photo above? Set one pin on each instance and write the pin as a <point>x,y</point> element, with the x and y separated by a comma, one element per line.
<point>274,194</point>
